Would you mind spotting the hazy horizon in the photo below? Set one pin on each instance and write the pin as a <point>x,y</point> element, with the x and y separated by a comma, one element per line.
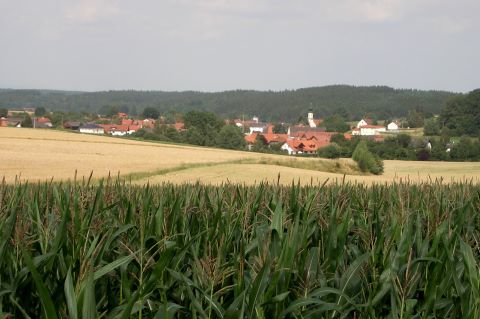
<point>222,45</point>
<point>227,90</point>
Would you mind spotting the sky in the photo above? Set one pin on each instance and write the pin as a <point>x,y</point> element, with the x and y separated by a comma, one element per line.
<point>216,45</point>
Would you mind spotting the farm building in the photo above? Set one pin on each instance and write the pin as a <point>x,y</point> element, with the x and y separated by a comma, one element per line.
<point>91,128</point>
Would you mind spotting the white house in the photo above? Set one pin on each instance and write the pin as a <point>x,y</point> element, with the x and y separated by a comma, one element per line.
<point>368,130</point>
<point>260,128</point>
<point>288,148</point>
<point>91,128</point>
<point>363,122</point>
<point>393,126</point>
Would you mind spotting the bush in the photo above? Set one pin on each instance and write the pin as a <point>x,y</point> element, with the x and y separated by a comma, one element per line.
<point>330,151</point>
<point>367,162</point>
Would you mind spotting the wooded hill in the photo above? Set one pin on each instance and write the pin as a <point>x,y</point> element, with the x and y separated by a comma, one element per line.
<point>378,102</point>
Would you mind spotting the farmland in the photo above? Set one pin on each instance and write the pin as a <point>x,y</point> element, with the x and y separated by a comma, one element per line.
<point>194,251</point>
<point>38,155</point>
<point>400,245</point>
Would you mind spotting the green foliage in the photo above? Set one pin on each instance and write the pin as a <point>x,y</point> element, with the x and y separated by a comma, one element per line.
<point>3,112</point>
<point>415,118</point>
<point>194,136</point>
<point>432,127</point>
<point>335,123</point>
<point>40,111</point>
<point>230,137</point>
<point>466,149</point>
<point>367,162</point>
<point>338,138</point>
<point>260,144</point>
<point>109,110</point>
<point>27,121</point>
<point>285,106</point>
<point>330,151</point>
<point>194,251</point>
<point>203,121</point>
<point>150,113</point>
<point>461,114</point>
<point>279,128</point>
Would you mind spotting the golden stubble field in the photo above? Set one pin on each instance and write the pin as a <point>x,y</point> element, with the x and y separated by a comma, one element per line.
<point>42,155</point>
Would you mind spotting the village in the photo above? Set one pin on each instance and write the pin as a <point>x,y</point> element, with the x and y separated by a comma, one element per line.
<point>301,138</point>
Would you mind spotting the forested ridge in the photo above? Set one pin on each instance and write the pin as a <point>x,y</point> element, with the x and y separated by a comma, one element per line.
<point>352,102</point>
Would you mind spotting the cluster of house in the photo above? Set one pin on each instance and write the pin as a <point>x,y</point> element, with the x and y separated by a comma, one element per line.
<point>299,139</point>
<point>37,122</point>
<point>365,128</point>
<point>126,127</point>
<point>308,139</point>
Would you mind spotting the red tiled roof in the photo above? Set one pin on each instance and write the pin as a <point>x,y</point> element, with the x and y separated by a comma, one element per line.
<point>127,121</point>
<point>250,139</point>
<point>304,145</point>
<point>275,138</point>
<point>179,126</point>
<point>42,120</point>
<point>134,127</point>
<point>372,126</point>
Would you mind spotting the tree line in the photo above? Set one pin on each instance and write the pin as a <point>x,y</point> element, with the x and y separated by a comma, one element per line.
<point>350,102</point>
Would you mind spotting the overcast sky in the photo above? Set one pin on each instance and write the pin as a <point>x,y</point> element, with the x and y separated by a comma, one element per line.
<point>214,45</point>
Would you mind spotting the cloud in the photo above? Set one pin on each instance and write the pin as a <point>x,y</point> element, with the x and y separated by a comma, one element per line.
<point>92,10</point>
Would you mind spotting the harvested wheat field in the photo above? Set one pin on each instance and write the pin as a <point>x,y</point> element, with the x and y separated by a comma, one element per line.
<point>35,155</point>
<point>253,173</point>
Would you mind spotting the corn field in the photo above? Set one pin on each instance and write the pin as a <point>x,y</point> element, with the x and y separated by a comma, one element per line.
<point>113,250</point>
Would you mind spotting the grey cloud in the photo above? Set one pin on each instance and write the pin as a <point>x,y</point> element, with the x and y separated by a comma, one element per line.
<point>229,44</point>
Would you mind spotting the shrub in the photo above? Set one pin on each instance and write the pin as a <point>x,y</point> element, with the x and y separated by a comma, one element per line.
<point>330,151</point>
<point>366,161</point>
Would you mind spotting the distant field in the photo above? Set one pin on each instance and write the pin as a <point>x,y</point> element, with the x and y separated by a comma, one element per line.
<point>252,173</point>
<point>42,155</point>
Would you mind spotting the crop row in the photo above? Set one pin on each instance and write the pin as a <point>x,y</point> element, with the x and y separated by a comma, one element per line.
<point>192,251</point>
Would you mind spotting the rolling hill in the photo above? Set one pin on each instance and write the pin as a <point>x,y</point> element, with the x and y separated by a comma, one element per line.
<point>353,102</point>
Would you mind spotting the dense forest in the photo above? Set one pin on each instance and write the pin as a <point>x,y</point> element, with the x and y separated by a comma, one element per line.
<point>378,102</point>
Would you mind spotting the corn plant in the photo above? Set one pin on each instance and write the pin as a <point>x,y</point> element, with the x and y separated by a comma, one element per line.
<point>113,250</point>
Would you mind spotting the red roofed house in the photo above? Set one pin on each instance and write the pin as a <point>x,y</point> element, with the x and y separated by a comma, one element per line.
<point>271,138</point>
<point>42,122</point>
<point>179,126</point>
<point>119,129</point>
<point>302,146</point>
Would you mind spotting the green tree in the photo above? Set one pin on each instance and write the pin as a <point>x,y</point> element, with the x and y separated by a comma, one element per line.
<point>40,111</point>
<point>279,128</point>
<point>404,140</point>
<point>330,151</point>
<point>367,162</point>
<point>3,112</point>
<point>230,137</point>
<point>195,136</point>
<point>203,121</point>
<point>150,113</point>
<point>431,127</point>
<point>109,110</point>
<point>338,138</point>
<point>415,118</point>
<point>461,114</point>
<point>27,121</point>
<point>335,123</point>
<point>260,144</point>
